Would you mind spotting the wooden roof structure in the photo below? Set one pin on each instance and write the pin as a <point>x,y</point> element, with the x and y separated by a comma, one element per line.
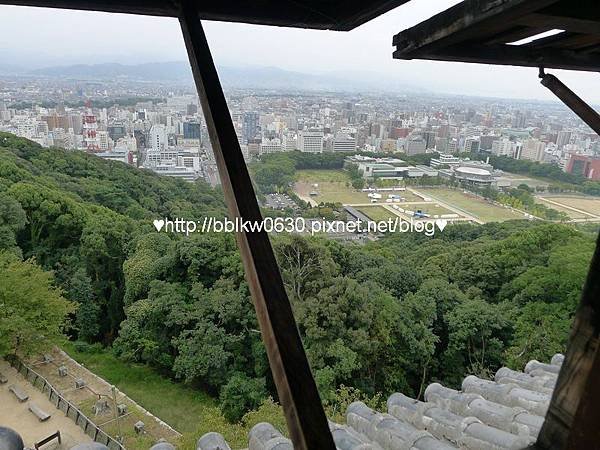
<point>338,15</point>
<point>484,31</point>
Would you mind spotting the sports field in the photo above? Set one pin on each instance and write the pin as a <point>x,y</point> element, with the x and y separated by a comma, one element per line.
<point>376,213</point>
<point>472,205</point>
<point>576,207</point>
<point>330,192</point>
<point>322,175</point>
<point>333,186</point>
<point>428,208</point>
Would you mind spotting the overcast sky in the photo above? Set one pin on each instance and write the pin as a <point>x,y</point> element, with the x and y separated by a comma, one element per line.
<point>44,37</point>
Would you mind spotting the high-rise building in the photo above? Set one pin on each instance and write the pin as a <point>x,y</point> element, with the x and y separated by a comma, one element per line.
<point>289,142</point>
<point>504,147</point>
<point>90,132</point>
<point>518,120</point>
<point>533,150</point>
<point>191,130</point>
<point>486,141</point>
<point>415,145</point>
<point>563,138</point>
<point>249,126</point>
<point>116,131</point>
<point>344,142</point>
<point>471,145</point>
<point>158,138</point>
<point>311,140</point>
<point>429,137</point>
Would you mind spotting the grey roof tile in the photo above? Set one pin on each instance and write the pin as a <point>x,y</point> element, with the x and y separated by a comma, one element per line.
<point>501,414</point>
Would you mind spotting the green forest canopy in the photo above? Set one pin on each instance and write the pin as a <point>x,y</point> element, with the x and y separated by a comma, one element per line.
<point>391,315</point>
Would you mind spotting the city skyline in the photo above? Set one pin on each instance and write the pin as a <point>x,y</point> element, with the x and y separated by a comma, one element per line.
<point>364,52</point>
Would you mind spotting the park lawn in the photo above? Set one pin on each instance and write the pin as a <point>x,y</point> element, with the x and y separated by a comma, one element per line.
<point>377,213</point>
<point>569,212</point>
<point>332,192</point>
<point>190,411</point>
<point>472,205</point>
<point>322,175</point>
<point>428,208</point>
<point>587,204</point>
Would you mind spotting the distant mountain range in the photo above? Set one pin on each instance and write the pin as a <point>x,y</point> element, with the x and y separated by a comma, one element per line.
<point>240,77</point>
<point>171,71</point>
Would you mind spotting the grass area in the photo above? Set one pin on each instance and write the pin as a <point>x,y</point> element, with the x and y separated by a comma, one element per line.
<point>333,186</point>
<point>428,208</point>
<point>377,213</point>
<point>322,175</point>
<point>190,411</point>
<point>331,192</point>
<point>530,181</point>
<point>587,204</point>
<point>569,212</point>
<point>472,204</point>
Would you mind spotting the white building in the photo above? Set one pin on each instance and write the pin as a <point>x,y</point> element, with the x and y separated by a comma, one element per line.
<point>533,150</point>
<point>270,146</point>
<point>504,147</point>
<point>104,141</point>
<point>121,154</point>
<point>445,160</point>
<point>310,141</point>
<point>289,142</point>
<point>344,142</point>
<point>172,170</point>
<point>158,138</point>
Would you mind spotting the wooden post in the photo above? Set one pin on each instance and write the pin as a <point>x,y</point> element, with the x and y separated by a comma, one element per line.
<point>573,416</point>
<point>306,420</point>
<point>572,100</point>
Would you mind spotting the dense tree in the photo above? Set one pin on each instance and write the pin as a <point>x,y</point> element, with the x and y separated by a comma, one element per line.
<point>32,309</point>
<point>390,315</point>
<point>241,394</point>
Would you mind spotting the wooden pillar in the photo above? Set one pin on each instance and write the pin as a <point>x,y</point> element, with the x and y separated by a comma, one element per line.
<point>573,418</point>
<point>306,420</point>
<point>572,100</point>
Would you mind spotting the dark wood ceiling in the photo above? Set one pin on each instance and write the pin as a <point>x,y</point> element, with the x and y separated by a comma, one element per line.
<point>337,15</point>
<point>480,31</point>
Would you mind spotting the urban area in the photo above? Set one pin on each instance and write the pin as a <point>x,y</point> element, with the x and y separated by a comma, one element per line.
<point>151,337</point>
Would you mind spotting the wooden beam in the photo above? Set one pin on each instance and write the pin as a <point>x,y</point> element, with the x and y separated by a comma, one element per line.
<point>147,7</point>
<point>306,420</point>
<point>514,34</point>
<point>566,40</point>
<point>514,55</point>
<point>573,416</point>
<point>549,22</point>
<point>365,11</point>
<point>466,21</point>
<point>332,15</point>
<point>572,100</point>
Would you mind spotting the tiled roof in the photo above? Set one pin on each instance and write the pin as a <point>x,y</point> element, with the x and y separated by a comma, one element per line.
<point>506,413</point>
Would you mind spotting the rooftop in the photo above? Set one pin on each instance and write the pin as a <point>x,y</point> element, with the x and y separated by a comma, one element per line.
<point>504,413</point>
